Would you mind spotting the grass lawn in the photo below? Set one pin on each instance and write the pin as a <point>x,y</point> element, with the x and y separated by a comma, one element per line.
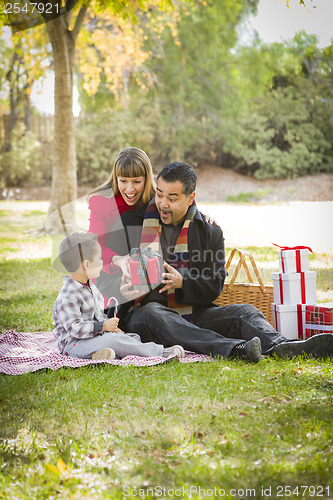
<point>224,429</point>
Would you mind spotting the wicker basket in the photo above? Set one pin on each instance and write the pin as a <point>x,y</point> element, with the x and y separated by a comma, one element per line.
<point>257,294</point>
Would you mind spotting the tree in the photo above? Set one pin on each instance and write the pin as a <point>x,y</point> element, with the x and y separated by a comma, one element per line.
<point>63,31</point>
<point>24,61</point>
<point>195,87</point>
<point>288,130</point>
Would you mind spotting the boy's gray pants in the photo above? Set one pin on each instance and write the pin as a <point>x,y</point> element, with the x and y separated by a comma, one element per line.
<point>123,345</point>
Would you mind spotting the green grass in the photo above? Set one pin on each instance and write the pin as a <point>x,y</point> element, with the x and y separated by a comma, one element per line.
<point>102,432</point>
<point>28,291</point>
<point>23,221</point>
<point>249,197</point>
<point>223,424</point>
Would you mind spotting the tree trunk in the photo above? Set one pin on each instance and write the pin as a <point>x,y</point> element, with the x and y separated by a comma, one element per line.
<point>64,179</point>
<point>27,110</point>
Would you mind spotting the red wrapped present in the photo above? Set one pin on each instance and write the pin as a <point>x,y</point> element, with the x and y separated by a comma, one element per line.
<point>318,319</point>
<point>145,266</point>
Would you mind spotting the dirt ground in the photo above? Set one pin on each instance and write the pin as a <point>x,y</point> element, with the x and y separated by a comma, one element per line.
<point>216,184</point>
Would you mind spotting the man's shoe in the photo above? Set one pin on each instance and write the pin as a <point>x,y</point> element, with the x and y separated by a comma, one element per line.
<point>106,353</point>
<point>318,346</point>
<point>178,350</point>
<point>251,351</point>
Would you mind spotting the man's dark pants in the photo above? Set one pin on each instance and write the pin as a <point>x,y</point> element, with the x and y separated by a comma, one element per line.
<point>216,330</point>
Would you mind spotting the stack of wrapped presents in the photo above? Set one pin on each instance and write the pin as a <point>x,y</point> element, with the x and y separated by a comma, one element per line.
<point>296,313</point>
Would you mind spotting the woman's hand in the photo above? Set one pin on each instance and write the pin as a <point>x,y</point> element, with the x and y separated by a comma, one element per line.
<point>172,279</point>
<point>123,263</point>
<point>209,219</point>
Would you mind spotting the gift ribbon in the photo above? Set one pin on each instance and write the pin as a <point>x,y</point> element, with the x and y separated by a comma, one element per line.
<point>298,255</point>
<point>115,305</point>
<point>300,322</point>
<point>303,293</point>
<point>276,318</point>
<point>142,256</point>
<point>299,247</point>
<point>319,328</point>
<point>281,288</point>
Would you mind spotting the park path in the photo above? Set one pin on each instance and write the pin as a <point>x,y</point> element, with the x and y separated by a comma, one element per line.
<point>292,223</point>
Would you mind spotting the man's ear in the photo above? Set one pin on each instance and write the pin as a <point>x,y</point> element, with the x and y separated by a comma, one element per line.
<point>191,199</point>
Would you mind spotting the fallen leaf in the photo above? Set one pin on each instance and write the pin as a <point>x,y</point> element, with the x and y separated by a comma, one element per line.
<point>52,468</point>
<point>198,434</point>
<point>61,466</point>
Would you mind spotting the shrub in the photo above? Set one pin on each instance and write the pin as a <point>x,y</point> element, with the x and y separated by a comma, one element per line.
<point>28,162</point>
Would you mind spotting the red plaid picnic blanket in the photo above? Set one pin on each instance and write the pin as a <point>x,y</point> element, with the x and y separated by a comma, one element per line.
<point>23,352</point>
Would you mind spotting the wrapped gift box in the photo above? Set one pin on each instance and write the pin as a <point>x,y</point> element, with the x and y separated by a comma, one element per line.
<point>295,288</point>
<point>138,277</point>
<point>146,265</point>
<point>294,261</point>
<point>289,320</point>
<point>318,319</point>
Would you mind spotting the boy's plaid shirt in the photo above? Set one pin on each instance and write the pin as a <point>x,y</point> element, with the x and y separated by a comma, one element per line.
<point>78,312</point>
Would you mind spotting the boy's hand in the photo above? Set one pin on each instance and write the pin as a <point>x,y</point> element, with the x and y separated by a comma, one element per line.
<point>111,325</point>
<point>117,330</point>
<point>123,263</point>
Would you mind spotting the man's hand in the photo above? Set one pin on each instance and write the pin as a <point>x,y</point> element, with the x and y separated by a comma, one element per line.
<point>172,279</point>
<point>125,284</point>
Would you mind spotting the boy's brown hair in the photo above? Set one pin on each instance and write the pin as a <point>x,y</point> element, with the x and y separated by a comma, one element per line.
<point>76,248</point>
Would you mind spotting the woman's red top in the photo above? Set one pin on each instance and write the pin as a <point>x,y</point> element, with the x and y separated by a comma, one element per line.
<point>104,213</point>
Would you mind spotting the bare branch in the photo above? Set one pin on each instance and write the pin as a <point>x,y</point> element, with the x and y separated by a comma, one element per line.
<point>310,68</point>
<point>79,20</point>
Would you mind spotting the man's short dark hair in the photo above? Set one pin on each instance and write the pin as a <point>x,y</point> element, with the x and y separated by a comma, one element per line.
<point>76,248</point>
<point>180,171</point>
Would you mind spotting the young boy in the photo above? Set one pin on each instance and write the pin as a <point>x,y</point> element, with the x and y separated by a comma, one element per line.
<point>81,327</point>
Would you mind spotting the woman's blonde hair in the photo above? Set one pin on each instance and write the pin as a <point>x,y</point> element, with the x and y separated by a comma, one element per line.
<point>130,162</point>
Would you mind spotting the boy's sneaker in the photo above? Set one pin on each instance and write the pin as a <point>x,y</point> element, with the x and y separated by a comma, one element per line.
<point>106,353</point>
<point>175,349</point>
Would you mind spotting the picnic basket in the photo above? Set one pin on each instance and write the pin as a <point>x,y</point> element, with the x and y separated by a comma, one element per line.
<point>257,294</point>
